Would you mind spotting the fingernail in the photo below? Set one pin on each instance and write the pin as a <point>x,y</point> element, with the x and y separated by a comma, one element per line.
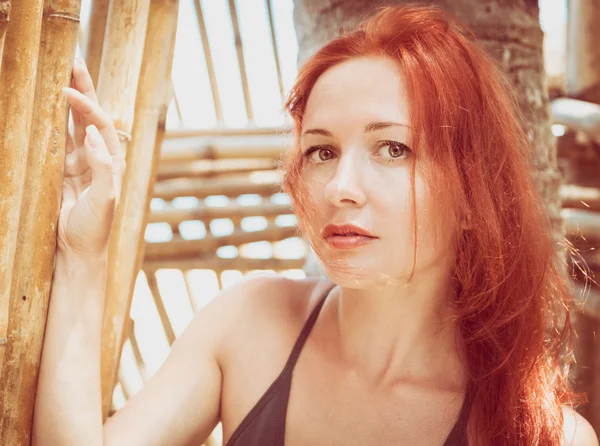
<point>79,60</point>
<point>92,134</point>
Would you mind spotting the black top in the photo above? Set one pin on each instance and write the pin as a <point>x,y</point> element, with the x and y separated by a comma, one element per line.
<point>265,423</point>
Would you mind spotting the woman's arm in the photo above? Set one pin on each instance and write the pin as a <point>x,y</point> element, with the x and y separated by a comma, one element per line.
<point>68,405</point>
<point>577,430</point>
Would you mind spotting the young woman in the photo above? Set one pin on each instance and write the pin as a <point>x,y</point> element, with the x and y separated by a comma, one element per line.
<point>438,323</point>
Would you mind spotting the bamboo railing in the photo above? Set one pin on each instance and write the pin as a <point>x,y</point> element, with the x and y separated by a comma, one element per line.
<point>39,50</point>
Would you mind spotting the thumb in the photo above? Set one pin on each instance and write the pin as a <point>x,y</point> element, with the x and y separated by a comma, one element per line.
<point>102,192</point>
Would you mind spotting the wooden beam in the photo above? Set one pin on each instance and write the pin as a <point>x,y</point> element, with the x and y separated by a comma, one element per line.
<point>38,59</point>
<point>219,264</point>
<point>95,37</point>
<point>582,224</point>
<point>139,37</point>
<point>577,115</point>
<point>587,198</point>
<point>210,66</point>
<point>215,148</point>
<point>222,130</point>
<point>230,187</point>
<point>187,248</point>
<point>175,216</point>
<point>213,168</point>
<point>4,19</point>
<point>239,50</point>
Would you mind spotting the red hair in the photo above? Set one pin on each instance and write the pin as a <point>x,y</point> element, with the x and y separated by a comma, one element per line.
<point>512,295</point>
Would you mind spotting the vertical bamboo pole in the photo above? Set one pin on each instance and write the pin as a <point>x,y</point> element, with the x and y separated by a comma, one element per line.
<point>4,18</point>
<point>210,67</point>
<point>241,63</point>
<point>275,52</point>
<point>36,238</point>
<point>95,37</point>
<point>17,89</point>
<point>129,223</point>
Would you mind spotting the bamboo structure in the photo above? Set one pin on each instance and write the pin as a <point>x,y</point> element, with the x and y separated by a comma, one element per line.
<point>4,19</point>
<point>17,90</point>
<point>157,21</point>
<point>95,37</point>
<point>36,237</point>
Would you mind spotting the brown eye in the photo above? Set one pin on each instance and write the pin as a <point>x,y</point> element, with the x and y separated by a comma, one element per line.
<point>395,150</point>
<point>325,154</point>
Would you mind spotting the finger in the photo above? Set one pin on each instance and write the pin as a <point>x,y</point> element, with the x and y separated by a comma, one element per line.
<point>94,115</point>
<point>83,80</point>
<point>102,193</point>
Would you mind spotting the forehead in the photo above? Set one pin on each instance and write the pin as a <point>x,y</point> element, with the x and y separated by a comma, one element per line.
<point>357,91</point>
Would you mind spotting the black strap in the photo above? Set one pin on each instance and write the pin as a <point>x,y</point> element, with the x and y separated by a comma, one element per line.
<point>308,326</point>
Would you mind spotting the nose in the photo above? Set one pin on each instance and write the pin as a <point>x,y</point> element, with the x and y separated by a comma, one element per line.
<point>345,188</point>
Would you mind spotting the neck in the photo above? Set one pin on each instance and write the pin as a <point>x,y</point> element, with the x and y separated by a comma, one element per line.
<point>400,333</point>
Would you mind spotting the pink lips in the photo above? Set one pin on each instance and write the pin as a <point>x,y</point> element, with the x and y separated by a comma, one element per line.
<point>346,236</point>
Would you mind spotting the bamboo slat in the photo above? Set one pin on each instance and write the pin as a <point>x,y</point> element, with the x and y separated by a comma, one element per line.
<point>580,197</point>
<point>583,51</point>
<point>199,187</point>
<point>218,264</point>
<point>241,62</point>
<point>17,90</point>
<point>160,307</point>
<point>214,148</point>
<point>4,19</point>
<point>222,130</point>
<point>210,66</point>
<point>139,360</point>
<point>214,168</point>
<point>186,248</point>
<point>175,216</point>
<point>33,264</point>
<point>275,52</point>
<point>159,22</point>
<point>579,223</point>
<point>95,37</point>
<point>577,115</point>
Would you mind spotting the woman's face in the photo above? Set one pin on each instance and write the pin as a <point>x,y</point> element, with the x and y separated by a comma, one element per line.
<point>356,163</point>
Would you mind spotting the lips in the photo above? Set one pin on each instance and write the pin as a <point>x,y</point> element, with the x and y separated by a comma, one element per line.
<point>345,230</point>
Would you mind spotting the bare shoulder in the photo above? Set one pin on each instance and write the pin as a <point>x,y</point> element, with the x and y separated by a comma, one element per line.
<point>262,304</point>
<point>577,430</point>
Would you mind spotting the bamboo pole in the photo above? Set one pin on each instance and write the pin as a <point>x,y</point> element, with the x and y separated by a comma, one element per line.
<point>230,187</point>
<point>213,168</point>
<point>4,19</point>
<point>17,89</point>
<point>95,37</point>
<point>214,148</point>
<point>175,216</point>
<point>218,264</point>
<point>186,248</point>
<point>275,52</point>
<point>577,115</point>
<point>240,56</point>
<point>581,224</point>
<point>210,66</point>
<point>583,51</point>
<point>36,237</point>
<point>580,197</point>
<point>154,25</point>
<point>222,130</point>
<point>160,307</point>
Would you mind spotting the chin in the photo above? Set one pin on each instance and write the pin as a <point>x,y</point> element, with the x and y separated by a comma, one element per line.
<point>352,276</point>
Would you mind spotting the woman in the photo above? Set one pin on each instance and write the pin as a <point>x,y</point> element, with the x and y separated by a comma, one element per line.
<point>411,181</point>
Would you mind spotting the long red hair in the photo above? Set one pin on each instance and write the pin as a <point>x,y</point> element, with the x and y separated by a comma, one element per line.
<point>512,295</point>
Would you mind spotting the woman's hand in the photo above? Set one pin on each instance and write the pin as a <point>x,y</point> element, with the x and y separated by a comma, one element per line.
<point>94,168</point>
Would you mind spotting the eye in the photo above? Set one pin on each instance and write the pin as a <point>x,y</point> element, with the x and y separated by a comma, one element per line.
<point>395,150</point>
<point>319,154</point>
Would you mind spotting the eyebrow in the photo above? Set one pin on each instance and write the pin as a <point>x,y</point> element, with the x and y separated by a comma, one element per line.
<point>370,127</point>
